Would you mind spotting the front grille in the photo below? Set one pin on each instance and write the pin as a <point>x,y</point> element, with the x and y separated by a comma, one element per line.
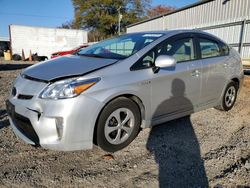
<point>24,125</point>
<point>25,97</point>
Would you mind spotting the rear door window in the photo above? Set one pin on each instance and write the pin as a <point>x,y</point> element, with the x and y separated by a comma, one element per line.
<point>209,48</point>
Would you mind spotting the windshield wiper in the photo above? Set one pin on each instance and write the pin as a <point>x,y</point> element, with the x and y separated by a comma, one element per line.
<point>90,55</point>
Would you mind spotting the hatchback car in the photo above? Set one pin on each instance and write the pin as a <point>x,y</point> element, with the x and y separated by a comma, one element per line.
<point>107,92</point>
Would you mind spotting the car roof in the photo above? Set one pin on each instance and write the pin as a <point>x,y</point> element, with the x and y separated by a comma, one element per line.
<point>179,31</point>
<point>172,31</point>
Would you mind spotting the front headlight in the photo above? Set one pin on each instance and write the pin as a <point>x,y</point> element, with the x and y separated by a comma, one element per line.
<point>67,88</point>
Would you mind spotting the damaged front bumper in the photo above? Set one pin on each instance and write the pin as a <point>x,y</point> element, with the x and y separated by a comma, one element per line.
<point>64,125</point>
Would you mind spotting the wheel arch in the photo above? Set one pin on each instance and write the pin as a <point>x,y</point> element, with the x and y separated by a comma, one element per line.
<point>236,80</point>
<point>132,97</point>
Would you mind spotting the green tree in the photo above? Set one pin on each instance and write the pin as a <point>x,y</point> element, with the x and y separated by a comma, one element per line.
<point>101,16</point>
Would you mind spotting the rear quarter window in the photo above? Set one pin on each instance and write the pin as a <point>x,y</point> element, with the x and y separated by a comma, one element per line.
<point>224,49</point>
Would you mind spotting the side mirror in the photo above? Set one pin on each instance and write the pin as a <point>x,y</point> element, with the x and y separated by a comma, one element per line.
<point>164,61</point>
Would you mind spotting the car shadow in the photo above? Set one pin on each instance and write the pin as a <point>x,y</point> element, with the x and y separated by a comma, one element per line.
<point>10,67</point>
<point>175,146</point>
<point>4,122</point>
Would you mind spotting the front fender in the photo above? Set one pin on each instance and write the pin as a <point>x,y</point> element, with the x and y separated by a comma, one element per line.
<point>143,93</point>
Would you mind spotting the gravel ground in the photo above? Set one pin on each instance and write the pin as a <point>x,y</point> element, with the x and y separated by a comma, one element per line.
<point>210,148</point>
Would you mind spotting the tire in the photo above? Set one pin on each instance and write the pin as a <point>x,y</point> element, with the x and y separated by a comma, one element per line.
<point>118,124</point>
<point>229,97</point>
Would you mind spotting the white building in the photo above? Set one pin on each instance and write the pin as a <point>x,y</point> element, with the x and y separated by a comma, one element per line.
<point>44,41</point>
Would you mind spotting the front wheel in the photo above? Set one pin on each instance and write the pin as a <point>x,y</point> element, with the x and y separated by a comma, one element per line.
<point>229,97</point>
<point>118,124</point>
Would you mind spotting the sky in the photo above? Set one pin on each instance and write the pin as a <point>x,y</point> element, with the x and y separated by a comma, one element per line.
<point>49,13</point>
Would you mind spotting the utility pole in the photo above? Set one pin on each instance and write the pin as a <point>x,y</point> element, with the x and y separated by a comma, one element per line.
<point>119,20</point>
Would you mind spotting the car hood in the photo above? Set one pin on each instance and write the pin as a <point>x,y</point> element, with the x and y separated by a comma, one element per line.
<point>66,66</point>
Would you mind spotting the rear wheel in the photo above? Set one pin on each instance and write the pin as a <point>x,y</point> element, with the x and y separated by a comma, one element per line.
<point>118,124</point>
<point>229,97</point>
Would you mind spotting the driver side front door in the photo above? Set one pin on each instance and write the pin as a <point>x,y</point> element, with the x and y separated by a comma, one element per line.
<point>176,92</point>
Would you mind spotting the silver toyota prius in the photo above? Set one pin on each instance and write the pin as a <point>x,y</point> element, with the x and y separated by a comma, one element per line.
<point>105,93</point>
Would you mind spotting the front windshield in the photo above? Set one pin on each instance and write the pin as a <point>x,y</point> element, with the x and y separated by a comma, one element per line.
<point>120,47</point>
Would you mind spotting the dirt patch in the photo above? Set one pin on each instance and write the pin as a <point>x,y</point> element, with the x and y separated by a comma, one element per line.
<point>211,148</point>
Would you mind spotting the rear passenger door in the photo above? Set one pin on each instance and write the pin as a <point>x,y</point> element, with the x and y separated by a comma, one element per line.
<point>214,56</point>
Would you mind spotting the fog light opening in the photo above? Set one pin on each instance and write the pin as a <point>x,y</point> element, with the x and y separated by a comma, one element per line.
<point>59,127</point>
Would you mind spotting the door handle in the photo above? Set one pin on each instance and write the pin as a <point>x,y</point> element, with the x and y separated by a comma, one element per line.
<point>225,65</point>
<point>196,73</point>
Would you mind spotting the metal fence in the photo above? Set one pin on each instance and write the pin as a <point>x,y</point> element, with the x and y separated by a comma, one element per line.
<point>236,34</point>
<point>227,19</point>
